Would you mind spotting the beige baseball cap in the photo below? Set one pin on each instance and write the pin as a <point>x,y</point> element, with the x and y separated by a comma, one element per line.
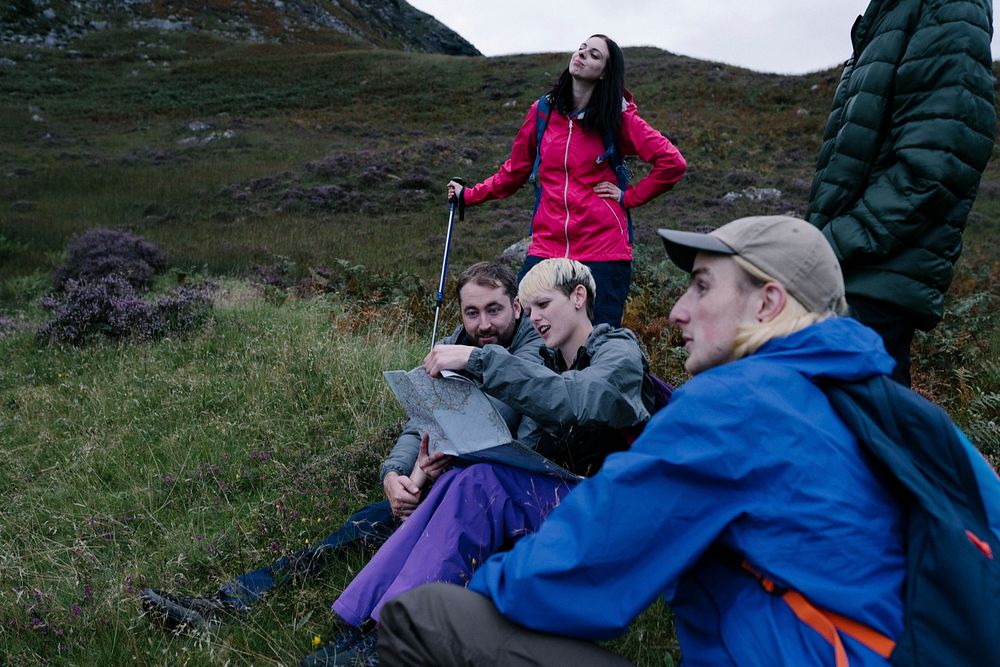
<point>790,250</point>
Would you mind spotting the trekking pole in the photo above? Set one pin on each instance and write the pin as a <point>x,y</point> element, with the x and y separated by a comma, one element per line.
<point>452,205</point>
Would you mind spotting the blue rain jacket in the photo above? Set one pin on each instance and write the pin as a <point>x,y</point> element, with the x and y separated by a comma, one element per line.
<point>748,461</point>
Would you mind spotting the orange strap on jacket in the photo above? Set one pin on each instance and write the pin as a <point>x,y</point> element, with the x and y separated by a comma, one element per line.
<point>827,623</point>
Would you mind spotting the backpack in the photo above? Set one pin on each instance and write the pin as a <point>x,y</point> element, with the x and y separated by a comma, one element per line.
<point>611,152</point>
<point>662,392</point>
<point>951,594</point>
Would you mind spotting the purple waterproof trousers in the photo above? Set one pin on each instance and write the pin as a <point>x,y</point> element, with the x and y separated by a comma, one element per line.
<point>469,514</point>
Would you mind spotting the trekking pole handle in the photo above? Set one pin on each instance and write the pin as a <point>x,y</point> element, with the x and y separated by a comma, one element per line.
<point>459,200</point>
<point>460,181</point>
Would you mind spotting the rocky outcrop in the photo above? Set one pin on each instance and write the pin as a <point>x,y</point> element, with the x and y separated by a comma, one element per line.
<point>397,20</point>
<point>391,24</point>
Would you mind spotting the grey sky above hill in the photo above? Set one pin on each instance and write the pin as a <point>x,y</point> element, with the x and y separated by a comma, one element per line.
<point>782,36</point>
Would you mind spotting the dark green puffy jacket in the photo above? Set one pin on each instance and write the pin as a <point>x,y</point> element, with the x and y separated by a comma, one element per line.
<point>910,133</point>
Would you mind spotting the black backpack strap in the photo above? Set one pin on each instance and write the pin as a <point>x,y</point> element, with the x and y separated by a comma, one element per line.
<point>622,175</point>
<point>542,111</point>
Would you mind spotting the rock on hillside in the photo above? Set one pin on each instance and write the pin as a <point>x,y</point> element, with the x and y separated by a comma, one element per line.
<point>391,24</point>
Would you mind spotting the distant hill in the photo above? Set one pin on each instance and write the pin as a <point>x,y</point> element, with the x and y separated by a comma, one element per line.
<point>389,24</point>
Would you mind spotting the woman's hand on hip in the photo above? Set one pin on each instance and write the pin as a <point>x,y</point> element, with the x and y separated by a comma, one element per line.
<point>608,190</point>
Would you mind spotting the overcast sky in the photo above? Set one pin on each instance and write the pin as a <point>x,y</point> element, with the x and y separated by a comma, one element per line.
<point>783,36</point>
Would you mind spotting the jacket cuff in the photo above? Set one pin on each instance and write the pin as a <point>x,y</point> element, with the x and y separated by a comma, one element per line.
<point>387,468</point>
<point>624,198</point>
<point>477,362</point>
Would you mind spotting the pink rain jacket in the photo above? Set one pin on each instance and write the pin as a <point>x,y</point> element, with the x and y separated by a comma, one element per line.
<point>571,220</point>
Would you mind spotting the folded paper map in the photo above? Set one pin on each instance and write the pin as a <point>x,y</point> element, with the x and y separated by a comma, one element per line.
<point>462,422</point>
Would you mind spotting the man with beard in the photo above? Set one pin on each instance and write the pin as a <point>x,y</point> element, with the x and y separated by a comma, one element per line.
<point>491,315</point>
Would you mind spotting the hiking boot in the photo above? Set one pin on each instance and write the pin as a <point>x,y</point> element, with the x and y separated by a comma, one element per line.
<point>175,611</point>
<point>352,646</point>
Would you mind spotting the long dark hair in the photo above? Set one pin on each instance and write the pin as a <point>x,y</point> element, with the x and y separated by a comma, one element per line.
<point>604,111</point>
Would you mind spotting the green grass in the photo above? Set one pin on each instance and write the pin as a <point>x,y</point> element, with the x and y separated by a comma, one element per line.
<point>125,465</point>
<point>133,465</point>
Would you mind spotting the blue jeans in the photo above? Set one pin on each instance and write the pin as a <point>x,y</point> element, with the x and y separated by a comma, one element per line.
<point>613,280</point>
<point>370,525</point>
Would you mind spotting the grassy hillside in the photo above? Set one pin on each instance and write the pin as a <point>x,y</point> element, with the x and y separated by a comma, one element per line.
<point>184,462</point>
<point>113,144</point>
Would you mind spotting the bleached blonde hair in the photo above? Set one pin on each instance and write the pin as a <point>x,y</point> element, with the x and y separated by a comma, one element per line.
<point>793,317</point>
<point>561,274</point>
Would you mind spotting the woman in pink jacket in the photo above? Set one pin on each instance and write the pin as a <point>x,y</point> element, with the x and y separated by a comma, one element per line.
<point>582,213</point>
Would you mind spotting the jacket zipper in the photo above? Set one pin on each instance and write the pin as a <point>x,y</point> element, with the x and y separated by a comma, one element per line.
<point>566,185</point>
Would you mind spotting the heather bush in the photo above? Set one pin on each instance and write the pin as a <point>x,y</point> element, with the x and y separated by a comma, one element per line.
<point>8,325</point>
<point>100,252</point>
<point>279,274</point>
<point>111,307</point>
<point>183,310</point>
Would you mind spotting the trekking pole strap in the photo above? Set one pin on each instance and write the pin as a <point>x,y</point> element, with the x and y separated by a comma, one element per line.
<point>827,623</point>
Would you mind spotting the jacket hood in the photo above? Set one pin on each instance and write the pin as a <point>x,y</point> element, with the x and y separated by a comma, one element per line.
<point>839,348</point>
<point>601,334</point>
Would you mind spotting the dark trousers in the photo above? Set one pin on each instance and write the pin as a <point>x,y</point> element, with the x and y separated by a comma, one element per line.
<point>370,525</point>
<point>613,280</point>
<point>894,325</point>
<point>450,626</point>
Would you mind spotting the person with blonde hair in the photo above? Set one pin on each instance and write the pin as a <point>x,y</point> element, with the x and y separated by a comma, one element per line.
<point>590,390</point>
<point>747,503</point>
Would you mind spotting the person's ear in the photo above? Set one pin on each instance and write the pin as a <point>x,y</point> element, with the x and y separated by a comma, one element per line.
<point>579,297</point>
<point>516,305</point>
<point>773,298</point>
